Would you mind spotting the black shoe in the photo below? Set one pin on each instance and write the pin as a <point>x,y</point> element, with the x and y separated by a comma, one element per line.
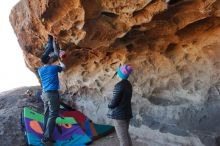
<point>50,38</point>
<point>52,140</point>
<point>48,141</point>
<point>217,141</point>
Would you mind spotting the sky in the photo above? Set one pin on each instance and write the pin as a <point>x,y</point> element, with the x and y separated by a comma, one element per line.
<point>13,72</point>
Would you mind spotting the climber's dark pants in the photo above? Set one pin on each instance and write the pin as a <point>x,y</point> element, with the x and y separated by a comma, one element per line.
<point>51,109</point>
<point>51,49</point>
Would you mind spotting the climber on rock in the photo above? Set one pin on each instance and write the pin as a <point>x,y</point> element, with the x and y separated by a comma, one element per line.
<point>50,86</point>
<point>52,49</point>
<point>120,106</point>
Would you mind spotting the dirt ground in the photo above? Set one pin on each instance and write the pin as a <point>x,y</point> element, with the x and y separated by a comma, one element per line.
<point>111,140</point>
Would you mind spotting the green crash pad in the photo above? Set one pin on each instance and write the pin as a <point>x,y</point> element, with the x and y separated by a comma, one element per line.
<point>28,113</point>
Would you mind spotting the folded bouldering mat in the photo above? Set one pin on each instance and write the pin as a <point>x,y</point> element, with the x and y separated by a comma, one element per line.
<point>73,128</point>
<point>67,132</point>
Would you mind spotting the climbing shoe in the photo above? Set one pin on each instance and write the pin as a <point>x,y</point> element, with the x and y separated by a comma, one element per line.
<point>48,141</point>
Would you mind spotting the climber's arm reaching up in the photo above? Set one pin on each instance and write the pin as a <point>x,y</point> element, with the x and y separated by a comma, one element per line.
<point>62,65</point>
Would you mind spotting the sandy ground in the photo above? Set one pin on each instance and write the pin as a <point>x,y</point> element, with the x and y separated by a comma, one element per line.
<point>111,140</point>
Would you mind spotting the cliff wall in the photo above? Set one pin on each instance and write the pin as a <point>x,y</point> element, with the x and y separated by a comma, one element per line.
<point>173,47</point>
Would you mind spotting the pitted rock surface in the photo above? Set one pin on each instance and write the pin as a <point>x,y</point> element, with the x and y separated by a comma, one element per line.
<point>172,45</point>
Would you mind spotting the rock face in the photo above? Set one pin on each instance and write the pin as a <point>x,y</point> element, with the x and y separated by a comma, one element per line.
<point>172,45</point>
<point>11,106</point>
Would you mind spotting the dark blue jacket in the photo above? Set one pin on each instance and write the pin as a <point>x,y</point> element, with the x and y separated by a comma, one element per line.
<point>120,106</point>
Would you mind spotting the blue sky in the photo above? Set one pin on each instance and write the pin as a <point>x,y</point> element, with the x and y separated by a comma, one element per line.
<point>14,72</point>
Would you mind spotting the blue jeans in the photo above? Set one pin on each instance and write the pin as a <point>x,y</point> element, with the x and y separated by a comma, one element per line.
<point>51,109</point>
<point>51,49</point>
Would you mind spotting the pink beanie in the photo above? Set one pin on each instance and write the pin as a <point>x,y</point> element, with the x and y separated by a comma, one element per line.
<point>124,71</point>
